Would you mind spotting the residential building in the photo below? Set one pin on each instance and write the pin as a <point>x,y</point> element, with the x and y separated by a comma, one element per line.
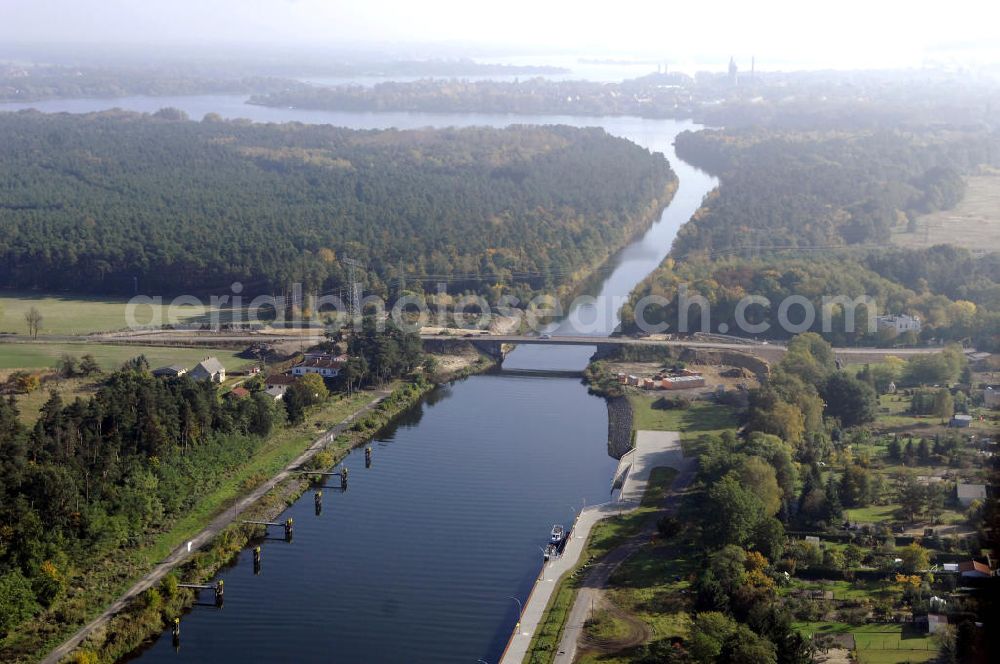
<point>238,392</point>
<point>277,392</point>
<point>978,360</point>
<point>279,380</point>
<point>991,396</point>
<point>973,569</point>
<point>326,366</point>
<point>209,369</point>
<point>172,371</point>
<point>966,493</point>
<point>960,421</point>
<point>900,323</point>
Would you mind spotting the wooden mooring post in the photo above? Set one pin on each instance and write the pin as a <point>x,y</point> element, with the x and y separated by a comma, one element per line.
<point>219,588</point>
<point>327,473</point>
<point>289,526</point>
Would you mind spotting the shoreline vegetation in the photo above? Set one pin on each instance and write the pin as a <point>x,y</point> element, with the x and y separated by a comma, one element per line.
<point>150,612</point>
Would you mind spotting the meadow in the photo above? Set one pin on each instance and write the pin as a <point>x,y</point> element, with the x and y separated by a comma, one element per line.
<point>702,417</point>
<point>75,314</point>
<point>973,224</point>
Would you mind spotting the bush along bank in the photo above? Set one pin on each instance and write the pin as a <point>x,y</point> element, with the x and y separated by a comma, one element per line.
<point>149,614</point>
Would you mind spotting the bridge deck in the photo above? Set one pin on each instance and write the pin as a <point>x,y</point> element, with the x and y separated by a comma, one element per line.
<point>583,340</point>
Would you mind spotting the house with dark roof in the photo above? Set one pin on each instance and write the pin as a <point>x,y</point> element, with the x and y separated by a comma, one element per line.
<point>327,366</point>
<point>279,380</point>
<point>172,371</point>
<point>209,369</point>
<point>277,392</point>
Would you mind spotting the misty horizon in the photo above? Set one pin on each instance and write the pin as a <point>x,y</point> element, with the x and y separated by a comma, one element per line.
<point>778,35</point>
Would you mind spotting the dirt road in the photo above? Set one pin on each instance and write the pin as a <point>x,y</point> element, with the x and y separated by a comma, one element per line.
<point>591,594</point>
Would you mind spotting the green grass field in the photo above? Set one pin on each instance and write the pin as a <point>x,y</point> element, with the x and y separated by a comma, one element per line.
<point>73,314</point>
<point>893,413</point>
<point>701,418</point>
<point>974,223</point>
<point>880,643</point>
<point>872,513</point>
<point>846,590</point>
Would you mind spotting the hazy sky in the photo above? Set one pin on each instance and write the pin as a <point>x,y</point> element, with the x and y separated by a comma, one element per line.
<point>847,33</point>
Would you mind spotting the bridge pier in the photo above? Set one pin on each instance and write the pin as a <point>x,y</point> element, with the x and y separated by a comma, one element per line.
<point>496,349</point>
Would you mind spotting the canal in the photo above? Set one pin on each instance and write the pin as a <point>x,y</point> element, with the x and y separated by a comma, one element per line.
<point>419,561</point>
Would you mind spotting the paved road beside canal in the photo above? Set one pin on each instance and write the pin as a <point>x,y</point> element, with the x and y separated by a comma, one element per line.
<point>653,449</point>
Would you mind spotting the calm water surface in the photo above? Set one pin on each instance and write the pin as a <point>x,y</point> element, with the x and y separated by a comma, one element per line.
<point>420,559</point>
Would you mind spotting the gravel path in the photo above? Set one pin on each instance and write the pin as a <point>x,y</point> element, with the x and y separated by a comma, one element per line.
<point>179,555</point>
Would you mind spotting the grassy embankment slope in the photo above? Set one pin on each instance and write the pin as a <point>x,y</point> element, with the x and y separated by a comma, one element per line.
<point>101,583</point>
<point>605,536</point>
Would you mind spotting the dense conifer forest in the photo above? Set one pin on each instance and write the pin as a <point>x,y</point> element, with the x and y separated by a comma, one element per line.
<point>93,203</point>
